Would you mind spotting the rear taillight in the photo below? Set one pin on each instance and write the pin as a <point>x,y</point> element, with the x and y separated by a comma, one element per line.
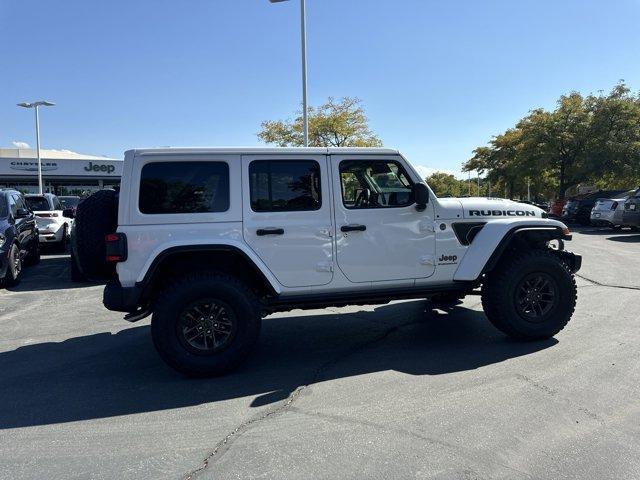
<point>614,205</point>
<point>116,247</point>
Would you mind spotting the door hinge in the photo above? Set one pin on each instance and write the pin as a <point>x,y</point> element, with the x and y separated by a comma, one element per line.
<point>324,267</point>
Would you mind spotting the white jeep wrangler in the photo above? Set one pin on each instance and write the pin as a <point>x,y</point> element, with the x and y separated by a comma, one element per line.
<point>211,240</point>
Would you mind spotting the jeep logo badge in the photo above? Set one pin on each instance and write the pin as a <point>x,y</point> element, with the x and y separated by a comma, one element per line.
<point>91,167</point>
<point>447,259</point>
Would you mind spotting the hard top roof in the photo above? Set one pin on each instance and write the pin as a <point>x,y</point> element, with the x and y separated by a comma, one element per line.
<point>264,151</point>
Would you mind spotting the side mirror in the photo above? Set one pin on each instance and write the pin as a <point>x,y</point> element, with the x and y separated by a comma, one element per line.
<point>22,213</point>
<point>421,196</point>
<point>68,213</point>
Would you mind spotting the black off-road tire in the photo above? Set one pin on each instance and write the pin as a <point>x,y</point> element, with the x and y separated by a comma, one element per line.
<point>499,295</point>
<point>176,298</point>
<point>96,217</point>
<point>33,254</point>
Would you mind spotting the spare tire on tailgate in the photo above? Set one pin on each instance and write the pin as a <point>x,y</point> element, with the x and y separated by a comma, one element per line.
<point>96,216</point>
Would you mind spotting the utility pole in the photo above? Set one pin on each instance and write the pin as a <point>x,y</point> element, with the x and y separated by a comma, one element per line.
<point>303,34</point>
<point>36,106</point>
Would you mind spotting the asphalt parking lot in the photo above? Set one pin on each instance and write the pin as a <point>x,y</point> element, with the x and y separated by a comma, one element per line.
<point>388,391</point>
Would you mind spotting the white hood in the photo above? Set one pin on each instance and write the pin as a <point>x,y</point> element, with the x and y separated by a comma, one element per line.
<point>485,208</point>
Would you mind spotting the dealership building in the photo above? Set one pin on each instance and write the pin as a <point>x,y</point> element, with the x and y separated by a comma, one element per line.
<point>64,172</point>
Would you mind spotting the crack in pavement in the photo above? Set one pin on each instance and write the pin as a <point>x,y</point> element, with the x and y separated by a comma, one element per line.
<point>285,404</point>
<point>600,284</point>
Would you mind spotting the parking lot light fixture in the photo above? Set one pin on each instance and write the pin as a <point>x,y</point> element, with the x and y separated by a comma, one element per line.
<point>36,106</point>
<point>303,34</point>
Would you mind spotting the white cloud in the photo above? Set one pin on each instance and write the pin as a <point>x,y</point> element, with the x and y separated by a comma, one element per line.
<point>20,144</point>
<point>425,171</point>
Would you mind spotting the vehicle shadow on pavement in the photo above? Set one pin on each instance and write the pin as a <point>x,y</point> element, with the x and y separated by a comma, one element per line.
<point>52,273</point>
<point>104,375</point>
<point>626,238</point>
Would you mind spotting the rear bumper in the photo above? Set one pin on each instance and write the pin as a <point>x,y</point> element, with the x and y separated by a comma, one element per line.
<point>601,222</point>
<point>121,299</point>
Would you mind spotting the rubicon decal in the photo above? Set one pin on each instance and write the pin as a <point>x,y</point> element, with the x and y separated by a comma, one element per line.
<point>502,213</point>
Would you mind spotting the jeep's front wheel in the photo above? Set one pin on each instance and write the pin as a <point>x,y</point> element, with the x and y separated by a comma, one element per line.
<point>205,324</point>
<point>530,297</point>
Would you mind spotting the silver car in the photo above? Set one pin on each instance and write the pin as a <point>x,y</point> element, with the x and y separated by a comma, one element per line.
<point>607,212</point>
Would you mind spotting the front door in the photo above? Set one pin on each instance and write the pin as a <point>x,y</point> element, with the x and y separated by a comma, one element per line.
<point>287,216</point>
<point>379,233</point>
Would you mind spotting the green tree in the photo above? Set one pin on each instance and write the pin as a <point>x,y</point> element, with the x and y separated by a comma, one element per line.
<point>334,124</point>
<point>444,184</point>
<point>593,139</point>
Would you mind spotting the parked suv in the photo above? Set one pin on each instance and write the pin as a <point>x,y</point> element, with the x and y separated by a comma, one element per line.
<point>211,240</point>
<point>631,214</point>
<point>18,237</point>
<point>54,227</point>
<point>578,209</point>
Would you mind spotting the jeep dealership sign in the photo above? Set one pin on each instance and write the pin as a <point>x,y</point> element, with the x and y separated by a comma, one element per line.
<point>26,167</point>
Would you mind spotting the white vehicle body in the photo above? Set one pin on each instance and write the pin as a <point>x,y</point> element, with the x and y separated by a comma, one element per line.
<point>53,227</point>
<point>400,248</point>
<point>211,240</point>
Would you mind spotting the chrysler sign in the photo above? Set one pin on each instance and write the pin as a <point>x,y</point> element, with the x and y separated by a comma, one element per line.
<point>30,166</point>
<point>61,168</point>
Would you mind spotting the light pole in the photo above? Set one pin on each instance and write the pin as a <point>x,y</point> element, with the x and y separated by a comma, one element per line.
<point>36,105</point>
<point>303,33</point>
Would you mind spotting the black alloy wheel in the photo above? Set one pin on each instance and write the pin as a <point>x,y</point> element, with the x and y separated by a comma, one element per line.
<point>536,296</point>
<point>206,326</point>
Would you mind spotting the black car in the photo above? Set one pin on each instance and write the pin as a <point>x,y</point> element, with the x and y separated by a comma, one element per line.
<point>631,213</point>
<point>18,237</point>
<point>578,209</point>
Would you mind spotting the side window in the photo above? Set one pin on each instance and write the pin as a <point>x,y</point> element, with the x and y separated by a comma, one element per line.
<point>375,184</point>
<point>284,185</point>
<point>184,187</point>
<point>12,205</point>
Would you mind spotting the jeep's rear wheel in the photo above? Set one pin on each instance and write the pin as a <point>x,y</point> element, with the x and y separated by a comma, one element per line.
<point>531,296</point>
<point>205,324</point>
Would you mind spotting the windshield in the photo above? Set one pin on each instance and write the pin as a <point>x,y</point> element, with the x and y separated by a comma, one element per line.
<point>69,202</point>
<point>37,204</point>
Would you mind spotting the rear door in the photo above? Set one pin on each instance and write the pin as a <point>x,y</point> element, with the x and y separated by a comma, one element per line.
<point>287,216</point>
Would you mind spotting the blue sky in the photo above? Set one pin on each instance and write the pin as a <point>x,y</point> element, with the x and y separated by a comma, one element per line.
<point>437,78</point>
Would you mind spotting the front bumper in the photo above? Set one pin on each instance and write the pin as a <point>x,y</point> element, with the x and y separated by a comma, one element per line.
<point>49,235</point>
<point>121,299</point>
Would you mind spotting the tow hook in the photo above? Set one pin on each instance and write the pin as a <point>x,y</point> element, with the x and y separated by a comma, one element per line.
<point>572,260</point>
